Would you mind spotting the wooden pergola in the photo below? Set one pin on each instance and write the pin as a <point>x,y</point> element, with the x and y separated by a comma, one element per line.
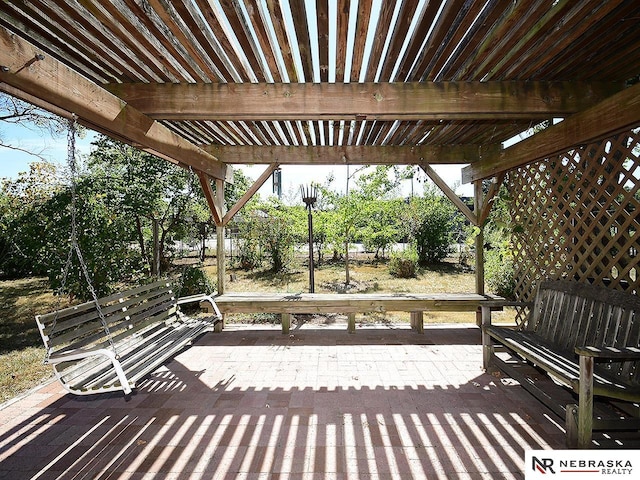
<point>210,84</point>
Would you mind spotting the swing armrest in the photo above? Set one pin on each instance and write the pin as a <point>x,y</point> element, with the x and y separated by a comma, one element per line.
<point>201,298</point>
<point>111,356</point>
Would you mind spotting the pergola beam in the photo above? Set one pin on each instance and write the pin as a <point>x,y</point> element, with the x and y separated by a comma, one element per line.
<point>50,83</point>
<point>352,154</point>
<point>364,101</point>
<point>613,115</point>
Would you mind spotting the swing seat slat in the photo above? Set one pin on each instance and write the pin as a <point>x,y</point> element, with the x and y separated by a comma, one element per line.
<point>146,327</point>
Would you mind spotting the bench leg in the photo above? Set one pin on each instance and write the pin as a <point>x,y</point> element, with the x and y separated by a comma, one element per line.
<point>571,425</point>
<point>351,323</point>
<point>217,328</point>
<point>286,322</point>
<point>585,402</point>
<point>417,321</point>
<point>487,344</point>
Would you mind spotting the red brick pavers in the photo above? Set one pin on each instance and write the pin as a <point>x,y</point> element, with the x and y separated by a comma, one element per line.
<point>251,403</point>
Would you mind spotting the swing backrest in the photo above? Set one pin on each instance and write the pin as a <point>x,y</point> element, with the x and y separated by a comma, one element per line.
<point>125,313</point>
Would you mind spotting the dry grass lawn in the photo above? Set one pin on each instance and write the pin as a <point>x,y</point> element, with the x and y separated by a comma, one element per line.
<point>21,350</point>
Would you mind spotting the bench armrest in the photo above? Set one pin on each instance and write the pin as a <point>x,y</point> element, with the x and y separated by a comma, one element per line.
<point>611,353</point>
<point>79,355</point>
<point>490,305</point>
<point>200,298</point>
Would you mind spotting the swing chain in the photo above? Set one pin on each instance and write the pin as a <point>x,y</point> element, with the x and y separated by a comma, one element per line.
<point>75,247</point>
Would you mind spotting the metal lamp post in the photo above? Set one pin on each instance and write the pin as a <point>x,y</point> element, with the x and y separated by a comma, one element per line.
<point>309,195</point>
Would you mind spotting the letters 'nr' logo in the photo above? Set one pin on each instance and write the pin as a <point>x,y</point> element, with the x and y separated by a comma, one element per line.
<point>543,465</point>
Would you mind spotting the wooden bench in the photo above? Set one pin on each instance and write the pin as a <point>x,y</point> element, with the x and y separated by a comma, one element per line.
<point>145,328</point>
<point>308,303</point>
<point>586,337</point>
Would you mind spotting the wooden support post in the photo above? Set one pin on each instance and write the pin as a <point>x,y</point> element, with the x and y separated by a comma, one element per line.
<point>286,322</point>
<point>220,250</point>
<point>417,321</point>
<point>585,402</point>
<point>487,344</point>
<point>351,323</point>
<point>477,201</point>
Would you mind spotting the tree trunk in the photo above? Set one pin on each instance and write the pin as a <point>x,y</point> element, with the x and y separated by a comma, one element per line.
<point>143,252</point>
<point>155,263</point>
<point>347,276</point>
<point>204,244</point>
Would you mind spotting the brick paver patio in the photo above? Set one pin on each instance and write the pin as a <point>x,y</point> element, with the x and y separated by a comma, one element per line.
<point>251,403</point>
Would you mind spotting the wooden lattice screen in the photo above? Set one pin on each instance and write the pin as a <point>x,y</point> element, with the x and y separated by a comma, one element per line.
<point>577,216</point>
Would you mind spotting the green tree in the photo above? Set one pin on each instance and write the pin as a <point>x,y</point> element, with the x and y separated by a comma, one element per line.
<point>36,226</point>
<point>22,202</point>
<point>278,233</point>
<point>366,212</point>
<point>430,221</point>
<point>378,227</point>
<point>104,237</point>
<point>149,191</point>
<point>322,227</point>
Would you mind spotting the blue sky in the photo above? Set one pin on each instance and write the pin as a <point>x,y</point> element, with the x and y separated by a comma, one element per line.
<point>55,150</point>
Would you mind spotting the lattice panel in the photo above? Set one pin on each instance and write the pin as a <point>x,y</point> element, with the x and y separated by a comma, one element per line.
<point>577,216</point>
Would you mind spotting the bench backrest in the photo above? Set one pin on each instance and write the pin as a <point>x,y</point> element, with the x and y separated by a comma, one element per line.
<point>569,314</point>
<point>80,326</point>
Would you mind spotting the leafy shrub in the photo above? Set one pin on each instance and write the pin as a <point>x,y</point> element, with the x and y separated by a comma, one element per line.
<point>249,256</point>
<point>403,264</point>
<point>429,222</point>
<point>500,273</point>
<point>194,281</point>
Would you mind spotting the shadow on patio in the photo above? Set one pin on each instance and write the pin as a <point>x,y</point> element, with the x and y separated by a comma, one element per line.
<point>255,404</point>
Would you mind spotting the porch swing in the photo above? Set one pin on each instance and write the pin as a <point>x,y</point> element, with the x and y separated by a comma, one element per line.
<point>110,343</point>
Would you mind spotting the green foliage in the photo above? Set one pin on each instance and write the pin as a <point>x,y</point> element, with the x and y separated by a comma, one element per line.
<point>268,231</point>
<point>368,213</point>
<point>120,193</point>
<point>194,281</point>
<point>430,222</point>
<point>323,221</point>
<point>381,226</point>
<point>499,273</point>
<point>104,239</point>
<point>249,251</point>
<point>277,234</point>
<point>499,266</point>
<point>147,189</point>
<point>36,229</point>
<point>22,217</point>
<point>404,264</point>
<point>378,222</point>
